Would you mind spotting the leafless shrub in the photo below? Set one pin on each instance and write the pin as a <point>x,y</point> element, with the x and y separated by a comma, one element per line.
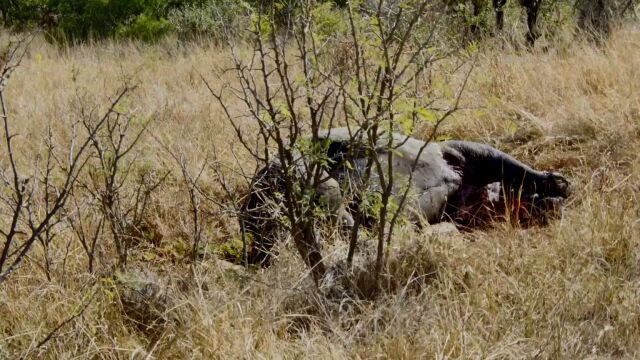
<point>191,183</point>
<point>88,229</point>
<point>34,203</point>
<point>116,164</point>
<point>233,198</point>
<point>226,200</point>
<point>389,88</point>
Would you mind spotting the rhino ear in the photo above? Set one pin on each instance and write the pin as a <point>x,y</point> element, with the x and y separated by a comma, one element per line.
<point>559,186</point>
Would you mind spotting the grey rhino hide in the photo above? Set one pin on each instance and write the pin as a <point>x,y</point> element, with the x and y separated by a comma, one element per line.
<point>433,181</point>
<point>262,210</point>
<point>449,176</point>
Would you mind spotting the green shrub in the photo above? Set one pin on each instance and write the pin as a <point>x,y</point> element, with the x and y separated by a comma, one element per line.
<point>81,19</point>
<point>78,20</point>
<point>145,28</point>
<point>330,21</point>
<point>211,18</point>
<point>23,13</point>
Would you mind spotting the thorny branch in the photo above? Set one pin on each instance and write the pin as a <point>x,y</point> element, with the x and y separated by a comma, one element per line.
<point>26,225</point>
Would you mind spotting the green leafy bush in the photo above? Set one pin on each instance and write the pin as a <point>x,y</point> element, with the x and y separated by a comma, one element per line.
<point>329,21</point>
<point>22,13</point>
<point>212,18</point>
<point>148,20</point>
<point>145,28</point>
<point>81,19</point>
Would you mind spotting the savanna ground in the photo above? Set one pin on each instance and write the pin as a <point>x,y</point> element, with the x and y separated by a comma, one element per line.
<point>567,290</point>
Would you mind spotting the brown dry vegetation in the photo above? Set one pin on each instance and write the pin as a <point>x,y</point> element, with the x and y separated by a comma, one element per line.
<point>569,290</point>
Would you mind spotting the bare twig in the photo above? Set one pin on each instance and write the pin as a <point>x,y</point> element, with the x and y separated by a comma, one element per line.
<point>25,222</point>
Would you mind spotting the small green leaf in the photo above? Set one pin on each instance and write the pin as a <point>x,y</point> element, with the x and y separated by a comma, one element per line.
<point>427,115</point>
<point>348,164</point>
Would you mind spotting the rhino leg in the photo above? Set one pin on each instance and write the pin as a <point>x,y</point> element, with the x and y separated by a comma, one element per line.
<point>430,204</point>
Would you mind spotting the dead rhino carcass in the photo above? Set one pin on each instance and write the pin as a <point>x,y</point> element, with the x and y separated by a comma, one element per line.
<point>460,181</point>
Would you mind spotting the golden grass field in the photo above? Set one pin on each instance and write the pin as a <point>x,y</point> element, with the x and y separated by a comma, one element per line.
<point>568,290</point>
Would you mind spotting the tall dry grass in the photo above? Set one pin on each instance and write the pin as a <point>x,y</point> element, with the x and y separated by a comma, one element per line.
<point>569,290</point>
